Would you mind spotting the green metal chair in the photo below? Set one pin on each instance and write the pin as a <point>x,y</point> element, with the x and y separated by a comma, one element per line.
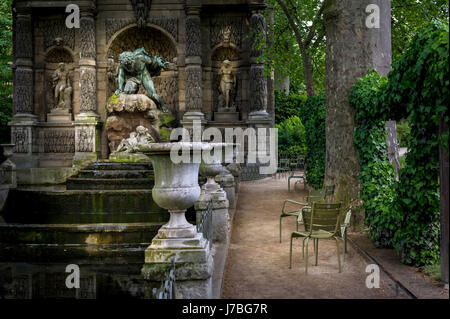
<point>321,222</point>
<point>283,166</point>
<point>345,224</point>
<point>297,213</point>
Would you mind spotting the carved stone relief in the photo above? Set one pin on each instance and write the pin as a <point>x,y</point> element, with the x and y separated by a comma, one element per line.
<point>23,90</point>
<point>85,139</point>
<point>170,24</point>
<point>56,33</point>
<point>141,8</point>
<point>20,139</point>
<point>258,88</point>
<point>193,88</point>
<point>258,26</point>
<point>167,88</point>
<point>193,36</point>
<point>87,38</point>
<point>23,47</point>
<point>226,30</point>
<point>59,141</point>
<point>225,53</point>
<point>88,92</point>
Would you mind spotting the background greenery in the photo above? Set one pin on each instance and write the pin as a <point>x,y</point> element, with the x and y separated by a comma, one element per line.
<point>5,69</point>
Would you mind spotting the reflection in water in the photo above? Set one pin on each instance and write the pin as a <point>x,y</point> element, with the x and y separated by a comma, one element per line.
<point>37,281</point>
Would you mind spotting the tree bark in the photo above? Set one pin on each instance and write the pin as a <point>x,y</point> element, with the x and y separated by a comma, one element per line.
<point>444,181</point>
<point>308,73</point>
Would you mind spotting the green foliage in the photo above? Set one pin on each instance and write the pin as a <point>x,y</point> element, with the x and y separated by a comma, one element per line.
<point>291,137</point>
<point>418,88</point>
<point>377,175</point>
<point>403,132</point>
<point>313,113</point>
<point>287,105</point>
<point>405,213</point>
<point>282,53</point>
<point>409,16</point>
<point>5,69</point>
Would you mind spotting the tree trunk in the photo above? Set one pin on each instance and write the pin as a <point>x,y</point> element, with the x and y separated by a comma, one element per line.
<point>308,73</point>
<point>352,49</point>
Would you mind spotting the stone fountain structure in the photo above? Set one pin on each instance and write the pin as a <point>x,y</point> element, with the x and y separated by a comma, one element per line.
<point>80,110</point>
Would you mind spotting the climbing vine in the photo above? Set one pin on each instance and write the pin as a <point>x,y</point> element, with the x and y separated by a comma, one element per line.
<point>312,114</point>
<point>405,213</point>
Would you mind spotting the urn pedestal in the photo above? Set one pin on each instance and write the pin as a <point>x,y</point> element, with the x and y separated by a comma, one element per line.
<point>176,189</point>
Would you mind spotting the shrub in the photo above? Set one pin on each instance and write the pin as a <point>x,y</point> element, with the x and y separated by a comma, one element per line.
<point>313,113</point>
<point>287,105</point>
<point>291,137</point>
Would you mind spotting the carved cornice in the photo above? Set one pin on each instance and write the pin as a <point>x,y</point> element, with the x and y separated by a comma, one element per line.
<point>170,24</point>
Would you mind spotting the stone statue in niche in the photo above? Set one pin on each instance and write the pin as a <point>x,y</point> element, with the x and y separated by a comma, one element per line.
<point>62,88</point>
<point>227,87</point>
<point>128,110</point>
<point>136,69</point>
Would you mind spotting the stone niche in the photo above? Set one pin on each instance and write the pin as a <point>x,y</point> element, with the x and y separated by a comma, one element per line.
<point>126,112</point>
<point>59,66</point>
<point>222,112</point>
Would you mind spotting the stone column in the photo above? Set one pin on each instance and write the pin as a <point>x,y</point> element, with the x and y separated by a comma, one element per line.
<point>87,126</point>
<point>193,69</point>
<point>258,82</point>
<point>23,123</point>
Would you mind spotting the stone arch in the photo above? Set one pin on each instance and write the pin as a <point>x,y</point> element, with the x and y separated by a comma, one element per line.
<point>131,38</point>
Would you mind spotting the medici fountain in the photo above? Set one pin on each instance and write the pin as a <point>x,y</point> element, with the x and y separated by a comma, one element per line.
<point>91,177</point>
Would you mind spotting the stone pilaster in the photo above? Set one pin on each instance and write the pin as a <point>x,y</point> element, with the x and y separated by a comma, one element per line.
<point>258,82</point>
<point>194,92</point>
<point>23,123</point>
<point>87,125</point>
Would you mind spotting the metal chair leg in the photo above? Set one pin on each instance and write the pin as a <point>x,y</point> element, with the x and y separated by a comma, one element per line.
<point>317,250</point>
<point>280,228</point>
<point>290,255</point>
<point>338,254</point>
<point>306,258</point>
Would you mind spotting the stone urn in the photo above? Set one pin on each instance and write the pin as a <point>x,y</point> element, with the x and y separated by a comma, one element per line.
<point>210,169</point>
<point>176,189</point>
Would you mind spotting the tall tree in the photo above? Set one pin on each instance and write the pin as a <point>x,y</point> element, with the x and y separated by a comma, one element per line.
<point>298,41</point>
<point>352,49</point>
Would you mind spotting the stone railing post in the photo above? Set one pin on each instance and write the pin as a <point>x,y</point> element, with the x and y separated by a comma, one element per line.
<point>226,181</point>
<point>23,123</point>
<point>87,130</point>
<point>194,93</point>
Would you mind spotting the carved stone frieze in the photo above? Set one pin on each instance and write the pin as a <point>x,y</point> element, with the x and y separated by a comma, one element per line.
<point>85,139</point>
<point>59,141</point>
<point>225,53</point>
<point>21,139</point>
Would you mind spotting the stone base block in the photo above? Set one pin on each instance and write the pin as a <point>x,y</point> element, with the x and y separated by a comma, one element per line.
<point>84,159</point>
<point>122,157</point>
<point>226,116</point>
<point>59,116</point>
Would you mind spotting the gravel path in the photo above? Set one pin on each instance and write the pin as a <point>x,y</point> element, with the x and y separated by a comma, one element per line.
<point>258,265</point>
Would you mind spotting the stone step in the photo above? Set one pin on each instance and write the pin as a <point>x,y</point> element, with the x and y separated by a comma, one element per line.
<point>109,184</point>
<point>24,203</point>
<point>119,166</point>
<point>115,174</point>
<point>87,234</point>
<point>111,254</point>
